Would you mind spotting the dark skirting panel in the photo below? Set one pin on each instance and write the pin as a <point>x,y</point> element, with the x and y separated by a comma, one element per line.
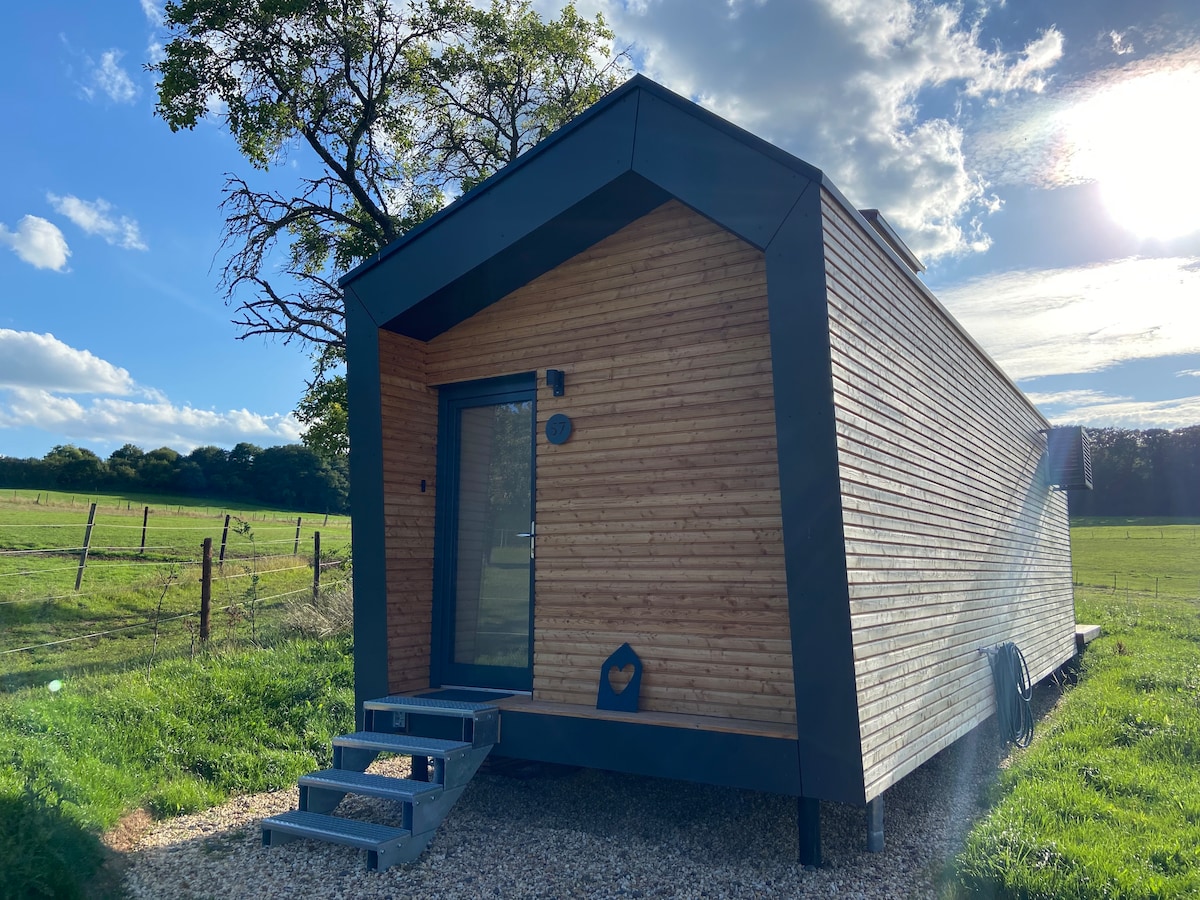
<point>752,762</point>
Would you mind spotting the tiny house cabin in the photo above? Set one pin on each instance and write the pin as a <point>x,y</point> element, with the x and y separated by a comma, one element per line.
<point>657,396</point>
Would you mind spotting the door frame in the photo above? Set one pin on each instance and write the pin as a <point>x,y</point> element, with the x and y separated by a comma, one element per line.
<point>451,399</point>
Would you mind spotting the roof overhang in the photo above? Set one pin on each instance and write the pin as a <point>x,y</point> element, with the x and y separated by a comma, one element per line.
<point>639,147</point>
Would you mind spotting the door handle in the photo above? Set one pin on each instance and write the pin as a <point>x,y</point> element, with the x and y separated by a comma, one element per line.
<point>531,534</point>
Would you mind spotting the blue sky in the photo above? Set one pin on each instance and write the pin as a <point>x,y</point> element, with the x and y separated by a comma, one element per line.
<point>1038,155</point>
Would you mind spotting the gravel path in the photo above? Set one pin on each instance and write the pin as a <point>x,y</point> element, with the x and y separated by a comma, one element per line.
<point>566,833</point>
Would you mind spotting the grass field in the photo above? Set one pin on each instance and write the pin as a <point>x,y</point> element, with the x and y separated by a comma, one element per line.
<point>181,738</point>
<point>1106,803</point>
<point>1138,558</point>
<point>141,715</point>
<point>139,600</point>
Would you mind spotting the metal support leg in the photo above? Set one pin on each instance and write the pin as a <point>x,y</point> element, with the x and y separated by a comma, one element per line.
<point>875,825</point>
<point>808,823</point>
<point>420,768</point>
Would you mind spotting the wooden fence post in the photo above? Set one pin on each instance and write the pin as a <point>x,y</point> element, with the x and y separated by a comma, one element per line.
<point>145,521</point>
<point>296,548</point>
<point>224,538</point>
<point>87,542</point>
<point>205,589</point>
<point>316,566</point>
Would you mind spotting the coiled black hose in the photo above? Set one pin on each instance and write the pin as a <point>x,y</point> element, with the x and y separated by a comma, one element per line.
<point>1010,674</point>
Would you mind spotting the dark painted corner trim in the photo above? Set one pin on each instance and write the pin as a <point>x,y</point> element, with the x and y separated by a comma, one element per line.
<point>366,501</point>
<point>829,745</point>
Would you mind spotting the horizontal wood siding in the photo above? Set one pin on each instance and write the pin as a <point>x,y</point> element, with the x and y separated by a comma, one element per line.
<point>410,409</point>
<point>953,539</point>
<point>659,520</point>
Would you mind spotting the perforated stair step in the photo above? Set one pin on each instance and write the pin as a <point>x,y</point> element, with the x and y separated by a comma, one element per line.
<point>407,744</point>
<point>402,790</point>
<point>480,720</point>
<point>385,845</point>
<point>430,706</point>
<point>423,800</point>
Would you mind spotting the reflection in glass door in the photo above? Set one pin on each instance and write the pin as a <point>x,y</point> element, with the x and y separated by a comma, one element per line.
<point>484,599</point>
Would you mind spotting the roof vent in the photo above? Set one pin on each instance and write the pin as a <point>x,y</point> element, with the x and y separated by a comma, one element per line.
<point>879,223</point>
<point>1069,459</point>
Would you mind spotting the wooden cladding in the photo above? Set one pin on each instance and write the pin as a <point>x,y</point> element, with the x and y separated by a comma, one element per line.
<point>953,539</point>
<point>659,520</point>
<point>410,410</point>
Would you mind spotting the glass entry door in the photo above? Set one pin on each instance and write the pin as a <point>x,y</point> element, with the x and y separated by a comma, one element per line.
<point>483,593</point>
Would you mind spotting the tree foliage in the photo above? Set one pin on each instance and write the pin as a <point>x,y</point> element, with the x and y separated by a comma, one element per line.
<point>508,83</point>
<point>391,109</point>
<point>287,477</point>
<point>1142,473</point>
<point>337,77</point>
<point>324,413</point>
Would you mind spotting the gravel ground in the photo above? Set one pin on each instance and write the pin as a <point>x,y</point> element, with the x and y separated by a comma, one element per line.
<point>552,832</point>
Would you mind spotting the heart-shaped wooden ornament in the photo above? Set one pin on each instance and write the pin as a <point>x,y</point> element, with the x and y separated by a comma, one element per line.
<point>619,678</point>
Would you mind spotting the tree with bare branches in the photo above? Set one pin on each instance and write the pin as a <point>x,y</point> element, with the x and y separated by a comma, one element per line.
<point>398,106</point>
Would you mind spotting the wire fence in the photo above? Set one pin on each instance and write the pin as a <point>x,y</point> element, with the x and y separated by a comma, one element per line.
<point>102,602</point>
<point>1185,586</point>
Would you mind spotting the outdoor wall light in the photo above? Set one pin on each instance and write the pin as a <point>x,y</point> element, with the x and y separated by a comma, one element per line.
<point>555,380</point>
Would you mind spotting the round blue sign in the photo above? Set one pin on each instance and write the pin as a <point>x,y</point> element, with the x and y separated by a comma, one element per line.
<point>558,429</point>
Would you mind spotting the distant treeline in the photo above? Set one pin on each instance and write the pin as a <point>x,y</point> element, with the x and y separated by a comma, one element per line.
<point>1136,473</point>
<point>287,477</point>
<point>1142,473</point>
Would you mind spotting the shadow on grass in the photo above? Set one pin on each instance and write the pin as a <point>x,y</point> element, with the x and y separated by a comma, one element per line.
<point>46,853</point>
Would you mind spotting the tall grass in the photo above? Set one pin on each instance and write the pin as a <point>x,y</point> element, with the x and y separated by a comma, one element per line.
<point>145,716</point>
<point>182,738</point>
<point>1106,802</point>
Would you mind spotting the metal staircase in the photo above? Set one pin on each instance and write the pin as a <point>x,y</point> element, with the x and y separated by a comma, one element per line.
<point>454,735</point>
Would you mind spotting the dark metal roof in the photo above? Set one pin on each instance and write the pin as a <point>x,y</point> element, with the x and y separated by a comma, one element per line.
<point>632,151</point>
<point>880,224</point>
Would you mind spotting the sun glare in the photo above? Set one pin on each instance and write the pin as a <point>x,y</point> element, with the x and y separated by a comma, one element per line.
<point>1138,140</point>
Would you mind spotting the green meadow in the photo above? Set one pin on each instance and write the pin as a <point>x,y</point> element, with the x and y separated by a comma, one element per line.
<point>109,702</point>
<point>139,593</point>
<point>1106,802</point>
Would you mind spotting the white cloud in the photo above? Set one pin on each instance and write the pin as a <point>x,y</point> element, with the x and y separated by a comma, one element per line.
<point>43,362</point>
<point>154,17</point>
<point>1187,372</point>
<point>41,379</point>
<point>842,83</point>
<point>1062,321</point>
<point>145,423</point>
<point>1099,410</point>
<point>153,13</point>
<point>95,217</point>
<point>38,243</point>
<point>109,78</point>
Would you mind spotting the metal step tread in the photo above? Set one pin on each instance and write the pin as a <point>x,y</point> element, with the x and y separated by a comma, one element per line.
<point>430,706</point>
<point>335,830</point>
<point>412,745</point>
<point>384,786</point>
